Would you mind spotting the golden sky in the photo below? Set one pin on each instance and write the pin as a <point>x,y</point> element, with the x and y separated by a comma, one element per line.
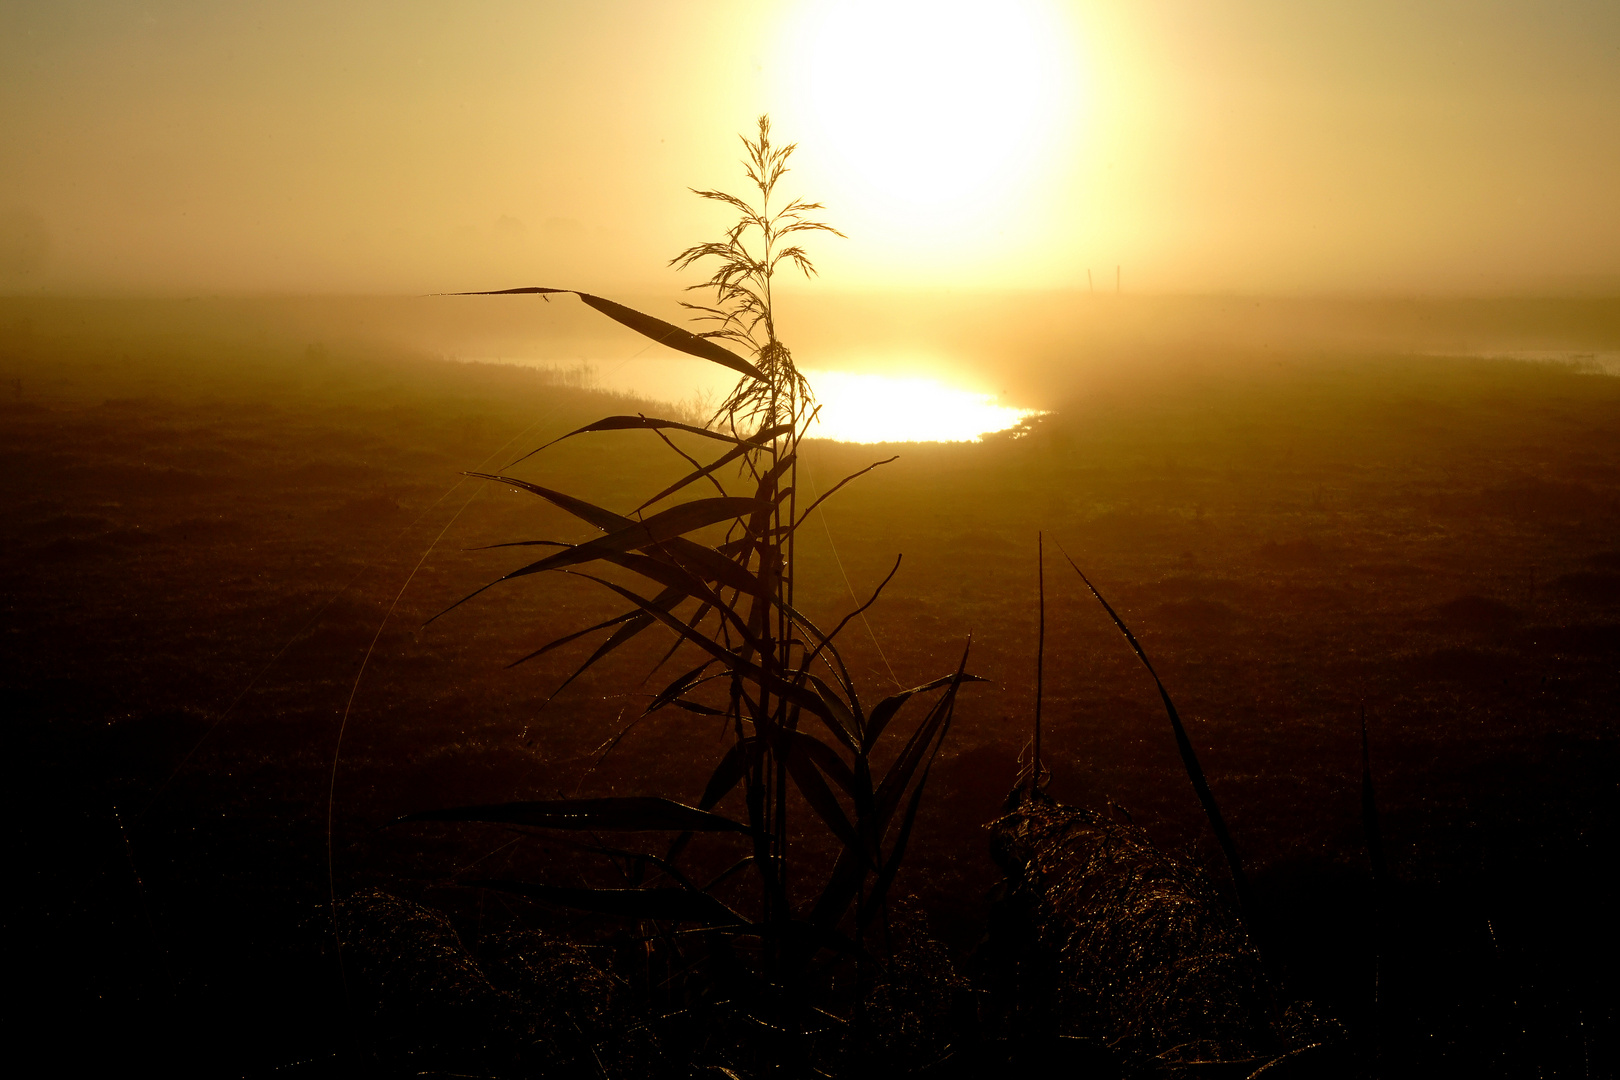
<point>1448,147</point>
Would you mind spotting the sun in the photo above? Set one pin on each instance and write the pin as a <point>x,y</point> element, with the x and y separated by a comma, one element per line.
<point>932,112</point>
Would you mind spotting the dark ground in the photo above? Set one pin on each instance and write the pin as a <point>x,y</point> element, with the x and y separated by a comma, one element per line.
<point>200,547</point>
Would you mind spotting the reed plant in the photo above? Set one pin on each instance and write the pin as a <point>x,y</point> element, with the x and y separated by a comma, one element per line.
<point>711,559</point>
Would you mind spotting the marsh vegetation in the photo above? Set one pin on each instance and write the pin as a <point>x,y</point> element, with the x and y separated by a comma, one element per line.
<point>1291,538</point>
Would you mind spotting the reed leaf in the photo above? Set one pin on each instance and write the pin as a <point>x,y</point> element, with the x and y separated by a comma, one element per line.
<point>741,666</point>
<point>663,526</point>
<point>577,634</point>
<point>1189,758</point>
<point>697,474</point>
<point>681,685</point>
<point>668,566</point>
<point>917,750</point>
<point>694,622</point>
<point>623,634</point>
<point>646,325</point>
<point>698,557</point>
<point>603,519</point>
<point>848,727</point>
<point>696,708</point>
<point>891,865</point>
<point>884,711</point>
<point>825,758</point>
<point>849,871</point>
<point>650,423</point>
<point>825,644</point>
<point>813,786</point>
<point>729,773</point>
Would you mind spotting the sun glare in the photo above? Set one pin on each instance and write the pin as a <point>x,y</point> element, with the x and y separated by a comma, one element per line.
<point>881,408</point>
<point>855,407</point>
<point>935,110</point>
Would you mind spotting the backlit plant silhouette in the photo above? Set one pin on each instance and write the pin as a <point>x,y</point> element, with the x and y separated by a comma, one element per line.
<point>797,724</point>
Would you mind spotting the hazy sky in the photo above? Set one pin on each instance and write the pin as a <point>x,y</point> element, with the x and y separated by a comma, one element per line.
<point>177,147</point>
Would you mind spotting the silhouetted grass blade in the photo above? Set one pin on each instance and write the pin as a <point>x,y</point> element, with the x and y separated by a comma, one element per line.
<point>697,474</point>
<point>844,883</point>
<point>825,758</point>
<point>834,489</point>
<point>1189,758</point>
<point>566,638</point>
<point>696,556</point>
<point>921,746</point>
<point>652,423</point>
<point>667,567</point>
<point>813,786</point>
<point>665,525</point>
<point>673,336</point>
<point>646,325</point>
<point>696,708</point>
<point>630,629</point>
<point>848,727</point>
<point>885,710</point>
<point>603,519</point>
<point>692,623</point>
<point>678,584</point>
<point>686,681</point>
<point>856,722</point>
<point>744,668</point>
<point>729,773</point>
<point>948,705</point>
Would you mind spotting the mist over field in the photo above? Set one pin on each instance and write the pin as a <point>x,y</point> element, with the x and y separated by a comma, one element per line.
<point>1038,349</point>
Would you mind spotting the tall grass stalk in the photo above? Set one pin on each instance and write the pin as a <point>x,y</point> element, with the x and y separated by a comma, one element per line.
<point>1189,759</point>
<point>797,724</point>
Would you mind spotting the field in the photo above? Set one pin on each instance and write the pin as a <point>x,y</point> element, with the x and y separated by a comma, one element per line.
<point>209,537</point>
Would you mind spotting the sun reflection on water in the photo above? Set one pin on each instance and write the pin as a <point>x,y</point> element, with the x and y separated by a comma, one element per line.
<point>884,408</point>
<point>855,407</point>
